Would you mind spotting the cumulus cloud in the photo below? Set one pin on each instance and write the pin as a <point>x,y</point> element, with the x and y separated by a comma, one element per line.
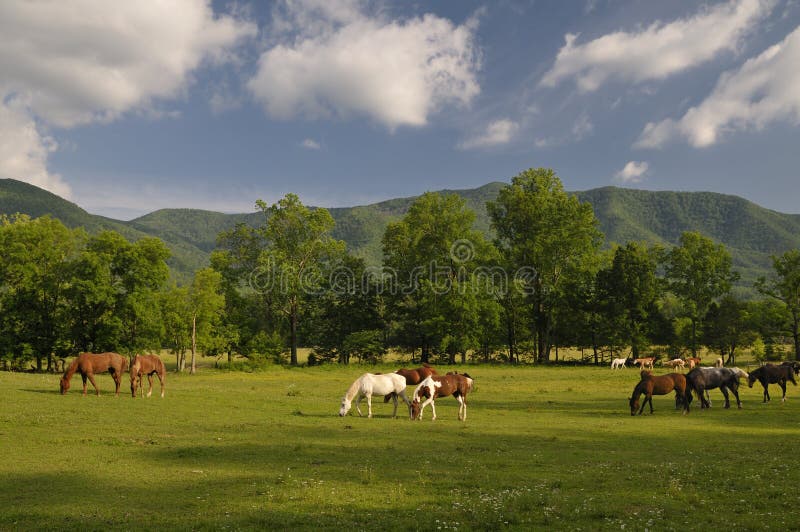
<point>498,132</point>
<point>633,172</point>
<point>334,58</point>
<point>658,50</point>
<point>765,89</point>
<point>81,61</point>
<point>311,144</point>
<point>24,151</point>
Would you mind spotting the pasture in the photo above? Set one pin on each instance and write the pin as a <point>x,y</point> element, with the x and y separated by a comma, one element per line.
<point>543,447</point>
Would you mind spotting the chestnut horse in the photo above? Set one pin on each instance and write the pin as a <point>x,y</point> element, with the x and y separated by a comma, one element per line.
<point>771,374</point>
<point>661,385</point>
<point>415,376</point>
<point>87,364</point>
<point>147,365</point>
<point>457,385</point>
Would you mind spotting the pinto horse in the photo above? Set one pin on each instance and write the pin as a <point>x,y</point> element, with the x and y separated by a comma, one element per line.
<point>644,362</point>
<point>661,385</point>
<point>455,384</point>
<point>700,380</point>
<point>147,365</point>
<point>370,384</point>
<point>87,364</point>
<point>771,374</point>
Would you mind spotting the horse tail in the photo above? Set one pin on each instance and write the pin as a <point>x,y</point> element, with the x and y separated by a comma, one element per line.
<point>790,373</point>
<point>125,364</point>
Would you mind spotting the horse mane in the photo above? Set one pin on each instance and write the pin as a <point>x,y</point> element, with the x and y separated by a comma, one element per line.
<point>353,389</point>
<point>73,367</point>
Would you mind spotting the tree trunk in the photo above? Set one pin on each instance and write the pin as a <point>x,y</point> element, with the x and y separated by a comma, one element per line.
<point>293,336</point>
<point>194,344</point>
<point>796,334</point>
<point>694,338</point>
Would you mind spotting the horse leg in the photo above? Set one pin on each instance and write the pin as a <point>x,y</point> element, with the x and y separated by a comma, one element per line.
<point>394,414</point>
<point>117,381</point>
<point>783,387</point>
<point>91,379</point>
<point>83,377</point>
<point>735,391</point>
<point>369,405</point>
<point>766,392</point>
<point>150,384</point>
<point>462,414</point>
<point>358,402</point>
<point>724,390</point>
<point>161,380</point>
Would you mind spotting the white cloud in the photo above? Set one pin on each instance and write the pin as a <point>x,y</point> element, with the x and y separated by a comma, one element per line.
<point>658,50</point>
<point>311,144</point>
<point>498,132</point>
<point>765,89</point>
<point>335,59</point>
<point>68,63</point>
<point>24,150</point>
<point>633,172</point>
<point>582,127</point>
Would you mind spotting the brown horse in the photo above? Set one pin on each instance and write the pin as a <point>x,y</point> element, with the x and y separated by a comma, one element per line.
<point>87,364</point>
<point>771,374</point>
<point>415,376</point>
<point>147,365</point>
<point>433,386</point>
<point>661,385</point>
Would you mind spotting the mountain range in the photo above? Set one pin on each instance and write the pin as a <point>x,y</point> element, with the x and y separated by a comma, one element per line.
<point>750,232</point>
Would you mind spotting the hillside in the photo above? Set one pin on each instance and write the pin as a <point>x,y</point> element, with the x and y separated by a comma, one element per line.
<point>752,233</point>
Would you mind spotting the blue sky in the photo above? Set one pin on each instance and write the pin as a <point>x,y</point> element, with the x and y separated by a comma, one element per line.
<point>125,108</point>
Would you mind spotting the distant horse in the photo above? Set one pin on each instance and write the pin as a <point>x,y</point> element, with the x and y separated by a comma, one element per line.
<point>87,364</point>
<point>618,363</point>
<point>646,362</point>
<point>455,384</point>
<point>415,376</point>
<point>675,363</point>
<point>792,364</point>
<point>693,361</point>
<point>771,374</point>
<point>370,384</point>
<point>661,385</point>
<point>147,365</point>
<point>700,380</point>
<point>719,363</point>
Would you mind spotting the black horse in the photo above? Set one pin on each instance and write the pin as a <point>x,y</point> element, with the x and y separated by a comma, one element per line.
<point>795,365</point>
<point>771,374</point>
<point>702,379</point>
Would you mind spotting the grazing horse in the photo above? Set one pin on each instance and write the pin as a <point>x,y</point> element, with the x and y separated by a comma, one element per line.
<point>370,384</point>
<point>719,363</point>
<point>455,384</point>
<point>771,374</point>
<point>645,362</point>
<point>693,361</point>
<point>87,364</point>
<point>675,363</point>
<point>147,365</point>
<point>700,380</point>
<point>618,363</point>
<point>661,385</point>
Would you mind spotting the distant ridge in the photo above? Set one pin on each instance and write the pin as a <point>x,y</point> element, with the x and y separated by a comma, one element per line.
<point>752,233</point>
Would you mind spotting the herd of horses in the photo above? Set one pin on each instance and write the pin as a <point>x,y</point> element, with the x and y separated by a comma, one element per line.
<point>430,386</point>
<point>87,365</point>
<point>701,379</point>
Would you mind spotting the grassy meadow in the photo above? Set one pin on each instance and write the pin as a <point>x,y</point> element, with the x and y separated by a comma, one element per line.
<point>542,448</point>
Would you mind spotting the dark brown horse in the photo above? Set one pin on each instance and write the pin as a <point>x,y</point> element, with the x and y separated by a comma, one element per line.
<point>771,374</point>
<point>433,386</point>
<point>147,365</point>
<point>661,385</point>
<point>87,364</point>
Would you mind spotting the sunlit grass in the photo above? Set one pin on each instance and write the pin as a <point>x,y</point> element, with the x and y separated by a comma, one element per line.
<point>542,447</point>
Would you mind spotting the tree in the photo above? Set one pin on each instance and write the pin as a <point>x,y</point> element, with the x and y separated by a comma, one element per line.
<point>698,271</point>
<point>629,289</point>
<point>785,287</point>
<point>35,269</point>
<point>728,325</point>
<point>432,254</point>
<point>206,302</point>
<point>547,235</point>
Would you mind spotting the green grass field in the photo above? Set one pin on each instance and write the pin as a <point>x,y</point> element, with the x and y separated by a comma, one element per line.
<point>545,448</point>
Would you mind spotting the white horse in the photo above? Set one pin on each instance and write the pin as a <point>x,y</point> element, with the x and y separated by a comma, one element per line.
<point>675,363</point>
<point>618,363</point>
<point>370,384</point>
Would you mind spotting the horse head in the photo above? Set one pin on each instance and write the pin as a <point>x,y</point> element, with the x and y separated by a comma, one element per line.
<point>414,409</point>
<point>345,407</point>
<point>751,379</point>
<point>634,404</point>
<point>64,385</point>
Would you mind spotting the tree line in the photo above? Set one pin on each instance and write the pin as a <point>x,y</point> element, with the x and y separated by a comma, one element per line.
<point>444,292</point>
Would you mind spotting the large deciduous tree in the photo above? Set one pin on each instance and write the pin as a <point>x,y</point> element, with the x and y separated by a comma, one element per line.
<point>547,234</point>
<point>785,287</point>
<point>698,271</point>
